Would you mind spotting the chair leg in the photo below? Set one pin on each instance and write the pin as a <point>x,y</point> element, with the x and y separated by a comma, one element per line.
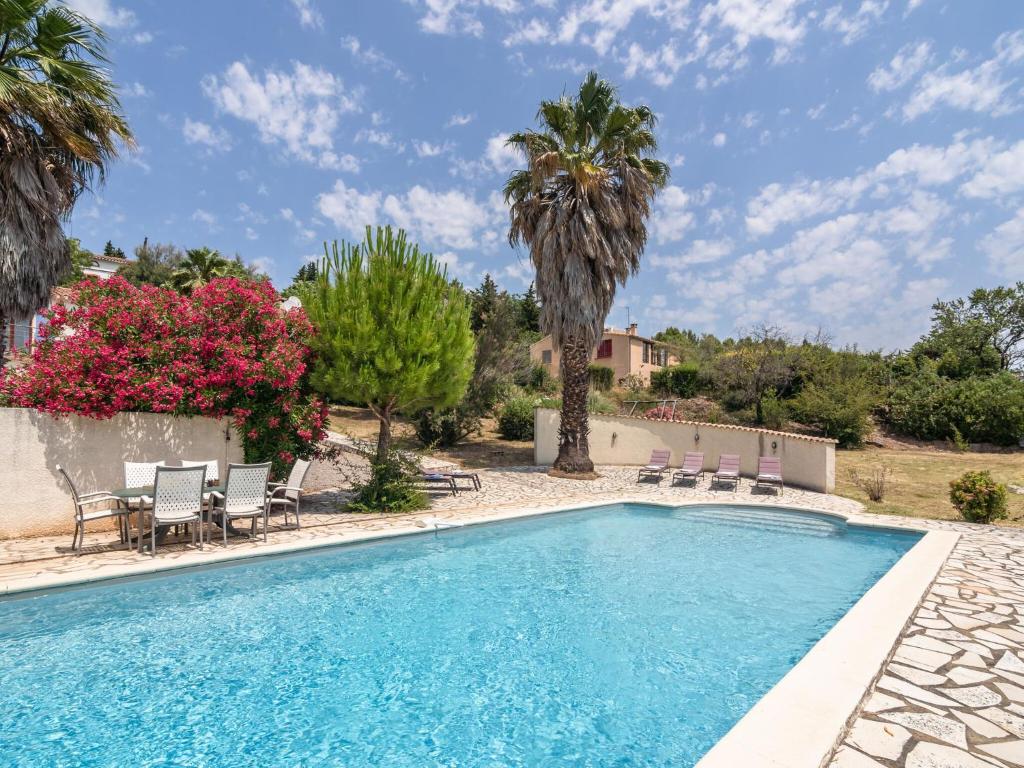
<point>152,551</point>
<point>224,528</point>
<point>297,500</point>
<point>265,515</point>
<point>75,546</point>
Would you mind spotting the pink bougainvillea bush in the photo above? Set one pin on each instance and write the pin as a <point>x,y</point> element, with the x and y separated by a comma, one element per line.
<point>227,349</point>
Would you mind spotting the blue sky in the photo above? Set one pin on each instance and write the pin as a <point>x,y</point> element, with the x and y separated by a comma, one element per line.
<point>835,165</point>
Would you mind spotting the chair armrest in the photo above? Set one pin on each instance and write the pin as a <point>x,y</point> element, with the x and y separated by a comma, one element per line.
<point>274,485</point>
<point>96,498</point>
<point>281,488</point>
<point>215,495</point>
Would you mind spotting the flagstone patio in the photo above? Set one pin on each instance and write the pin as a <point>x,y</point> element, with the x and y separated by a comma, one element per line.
<point>951,695</point>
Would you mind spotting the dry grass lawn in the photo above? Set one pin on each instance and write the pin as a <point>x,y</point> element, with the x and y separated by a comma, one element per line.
<point>920,483</point>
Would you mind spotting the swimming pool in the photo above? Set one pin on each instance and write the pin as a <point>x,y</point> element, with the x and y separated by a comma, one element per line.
<point>627,635</point>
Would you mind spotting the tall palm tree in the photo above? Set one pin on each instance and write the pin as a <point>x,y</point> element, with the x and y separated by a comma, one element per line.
<point>581,207</point>
<point>200,266</point>
<point>60,125</point>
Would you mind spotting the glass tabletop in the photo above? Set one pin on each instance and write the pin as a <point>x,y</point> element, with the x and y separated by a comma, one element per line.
<point>147,490</point>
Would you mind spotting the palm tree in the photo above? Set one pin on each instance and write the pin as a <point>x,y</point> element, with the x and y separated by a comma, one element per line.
<point>200,266</point>
<point>581,207</point>
<point>60,125</point>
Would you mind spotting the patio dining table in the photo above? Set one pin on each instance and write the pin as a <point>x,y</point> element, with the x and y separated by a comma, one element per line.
<point>136,494</point>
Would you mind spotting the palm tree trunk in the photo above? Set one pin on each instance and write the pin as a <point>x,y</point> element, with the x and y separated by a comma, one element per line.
<point>573,432</point>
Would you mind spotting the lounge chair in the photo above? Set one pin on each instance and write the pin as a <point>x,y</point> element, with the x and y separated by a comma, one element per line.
<point>178,500</point>
<point>769,472</point>
<point>692,469</point>
<point>656,466</point>
<point>245,495</point>
<point>443,479</point>
<point>289,494</point>
<point>728,470</point>
<point>83,500</point>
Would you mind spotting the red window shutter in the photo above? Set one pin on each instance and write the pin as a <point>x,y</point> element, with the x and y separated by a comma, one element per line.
<point>604,349</point>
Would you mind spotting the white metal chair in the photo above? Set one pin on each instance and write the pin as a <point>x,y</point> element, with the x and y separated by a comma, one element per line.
<point>212,469</point>
<point>83,500</point>
<point>245,496</point>
<point>289,494</point>
<point>178,500</point>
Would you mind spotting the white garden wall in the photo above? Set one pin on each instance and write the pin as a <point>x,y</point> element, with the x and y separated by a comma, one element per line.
<point>807,462</point>
<point>34,500</point>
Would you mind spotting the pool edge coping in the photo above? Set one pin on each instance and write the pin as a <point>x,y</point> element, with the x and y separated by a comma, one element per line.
<point>798,723</point>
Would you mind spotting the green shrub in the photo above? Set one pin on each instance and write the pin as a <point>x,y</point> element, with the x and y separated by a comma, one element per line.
<point>985,409</point>
<point>774,413</point>
<point>598,403</point>
<point>601,377</point>
<point>634,384</point>
<point>445,428</point>
<point>539,380</point>
<point>679,380</point>
<point>978,497</point>
<point>515,419</point>
<point>840,408</point>
<point>391,488</point>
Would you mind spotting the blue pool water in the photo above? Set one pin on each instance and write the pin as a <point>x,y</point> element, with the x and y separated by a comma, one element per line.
<point>628,635</point>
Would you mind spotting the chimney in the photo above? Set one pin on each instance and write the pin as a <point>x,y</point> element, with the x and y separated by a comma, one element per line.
<point>632,329</point>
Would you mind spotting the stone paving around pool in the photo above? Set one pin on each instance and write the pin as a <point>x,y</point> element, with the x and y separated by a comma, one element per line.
<point>951,696</point>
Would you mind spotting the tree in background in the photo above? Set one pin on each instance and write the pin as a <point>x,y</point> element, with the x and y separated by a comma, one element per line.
<point>482,301</point>
<point>983,333</point>
<point>307,274</point>
<point>393,332</point>
<point>153,264</point>
<point>112,251</point>
<point>760,368</point>
<point>199,267</point>
<point>529,312</point>
<point>81,260</point>
<point>60,126</point>
<point>581,207</point>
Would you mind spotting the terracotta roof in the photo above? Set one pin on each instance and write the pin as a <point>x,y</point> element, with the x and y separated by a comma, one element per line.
<point>111,259</point>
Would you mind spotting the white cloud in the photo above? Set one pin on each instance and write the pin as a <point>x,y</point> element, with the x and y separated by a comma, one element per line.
<point>976,89</point>
<point>457,120</point>
<point>299,110</point>
<point>426,149</point>
<point>309,16</point>
<point>381,138</point>
<point>856,25</point>
<point>1004,247</point>
<point>908,61</point>
<point>660,65</point>
<point>672,217</point>
<point>777,21</point>
<point>1000,174</point>
<point>445,17</point>
<point>599,24</point>
<point>502,157</point>
<point>533,31</point>
<point>348,208</point>
<point>778,204</point>
<point>371,57</point>
<point>455,266</point>
<point>103,12</point>
<point>196,132</point>
<point>204,217</point>
<point>451,219</point>
<point>699,252</point>
<point>251,234</point>
<point>719,139</point>
<point>303,231</point>
<point>136,90</point>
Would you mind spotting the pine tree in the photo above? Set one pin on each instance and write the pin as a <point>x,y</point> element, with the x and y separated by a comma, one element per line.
<point>112,251</point>
<point>529,311</point>
<point>483,301</point>
<point>393,332</point>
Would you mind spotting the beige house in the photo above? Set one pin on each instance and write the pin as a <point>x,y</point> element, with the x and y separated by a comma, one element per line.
<point>624,352</point>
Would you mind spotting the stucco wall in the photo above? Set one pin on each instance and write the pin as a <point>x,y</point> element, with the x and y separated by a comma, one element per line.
<point>34,500</point>
<point>807,462</point>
